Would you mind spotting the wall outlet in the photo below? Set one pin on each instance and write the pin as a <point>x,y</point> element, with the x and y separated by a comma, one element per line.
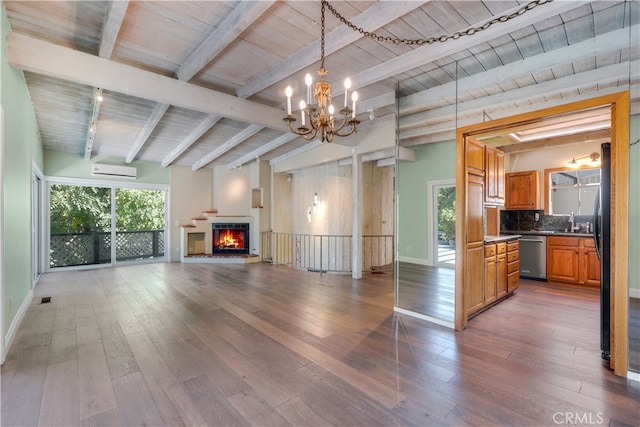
<point>536,216</point>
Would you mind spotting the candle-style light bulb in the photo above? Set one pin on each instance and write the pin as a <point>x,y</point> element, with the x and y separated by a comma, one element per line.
<point>354,98</point>
<point>302,106</point>
<point>308,81</point>
<point>288,91</point>
<point>331,109</point>
<point>347,86</point>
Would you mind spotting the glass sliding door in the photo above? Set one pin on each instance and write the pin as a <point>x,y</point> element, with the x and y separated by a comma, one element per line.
<point>80,225</point>
<point>92,225</point>
<point>140,224</point>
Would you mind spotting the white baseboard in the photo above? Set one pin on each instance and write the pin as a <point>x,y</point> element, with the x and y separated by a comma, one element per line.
<point>634,293</point>
<point>410,260</point>
<point>633,376</point>
<point>15,324</point>
<point>435,320</point>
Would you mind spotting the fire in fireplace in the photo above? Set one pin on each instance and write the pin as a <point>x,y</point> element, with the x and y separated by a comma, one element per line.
<point>231,238</point>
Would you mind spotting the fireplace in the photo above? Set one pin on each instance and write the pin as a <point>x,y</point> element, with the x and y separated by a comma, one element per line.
<point>230,238</point>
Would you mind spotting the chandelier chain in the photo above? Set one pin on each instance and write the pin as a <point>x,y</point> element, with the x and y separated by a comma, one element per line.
<point>431,40</point>
<point>322,35</point>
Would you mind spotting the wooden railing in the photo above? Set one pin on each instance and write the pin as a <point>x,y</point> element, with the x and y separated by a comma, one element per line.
<point>325,253</point>
<point>75,249</point>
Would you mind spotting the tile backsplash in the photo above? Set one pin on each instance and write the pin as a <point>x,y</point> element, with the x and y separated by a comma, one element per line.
<point>525,221</point>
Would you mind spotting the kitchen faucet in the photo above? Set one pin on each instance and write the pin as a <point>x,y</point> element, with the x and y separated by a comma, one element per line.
<point>572,221</point>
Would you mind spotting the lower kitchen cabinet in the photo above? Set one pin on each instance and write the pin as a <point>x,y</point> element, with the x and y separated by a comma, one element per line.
<point>513,265</point>
<point>572,260</point>
<point>490,274</point>
<point>474,271</point>
<point>499,279</point>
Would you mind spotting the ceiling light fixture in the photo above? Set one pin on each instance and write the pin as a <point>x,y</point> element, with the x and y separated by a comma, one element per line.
<point>321,116</point>
<point>594,160</point>
<point>318,107</point>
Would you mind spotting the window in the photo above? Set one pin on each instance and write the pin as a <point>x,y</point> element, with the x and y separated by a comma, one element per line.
<point>91,225</point>
<point>572,190</point>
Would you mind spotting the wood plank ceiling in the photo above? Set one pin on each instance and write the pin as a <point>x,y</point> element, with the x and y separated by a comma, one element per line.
<point>201,83</point>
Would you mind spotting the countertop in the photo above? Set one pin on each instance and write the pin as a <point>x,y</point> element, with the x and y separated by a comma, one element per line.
<point>544,233</point>
<point>501,238</point>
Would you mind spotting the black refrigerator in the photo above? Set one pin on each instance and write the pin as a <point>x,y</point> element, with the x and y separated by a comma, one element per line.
<point>602,236</point>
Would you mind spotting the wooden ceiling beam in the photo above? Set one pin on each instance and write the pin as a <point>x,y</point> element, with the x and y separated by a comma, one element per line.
<point>270,146</point>
<point>149,126</point>
<point>375,17</point>
<point>195,134</point>
<point>110,29</point>
<point>445,130</point>
<point>242,16</point>
<point>431,53</point>
<point>414,124</point>
<point>237,139</point>
<point>30,54</point>
<point>602,44</point>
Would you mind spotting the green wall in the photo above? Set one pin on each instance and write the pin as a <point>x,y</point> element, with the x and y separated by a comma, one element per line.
<point>435,161</point>
<point>68,165</point>
<point>22,147</point>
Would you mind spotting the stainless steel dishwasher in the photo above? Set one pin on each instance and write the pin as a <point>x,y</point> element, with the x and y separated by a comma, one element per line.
<point>533,257</point>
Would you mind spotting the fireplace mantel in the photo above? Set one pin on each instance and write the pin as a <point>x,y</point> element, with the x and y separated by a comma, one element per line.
<point>200,250</point>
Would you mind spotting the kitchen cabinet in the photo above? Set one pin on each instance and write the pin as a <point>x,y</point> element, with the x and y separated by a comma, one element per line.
<point>494,176</point>
<point>497,279</point>
<point>474,272</point>
<point>490,274</point>
<point>475,157</point>
<point>589,263</point>
<point>474,260</point>
<point>495,264</point>
<point>572,260</point>
<point>513,265</point>
<point>522,190</point>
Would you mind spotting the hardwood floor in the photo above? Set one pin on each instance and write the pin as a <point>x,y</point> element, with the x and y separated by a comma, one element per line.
<point>221,345</point>
<point>427,290</point>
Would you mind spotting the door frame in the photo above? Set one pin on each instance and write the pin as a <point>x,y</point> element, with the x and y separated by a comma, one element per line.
<point>619,104</point>
<point>37,223</point>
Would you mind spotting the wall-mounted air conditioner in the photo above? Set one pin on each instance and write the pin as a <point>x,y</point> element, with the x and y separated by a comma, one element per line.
<point>100,169</point>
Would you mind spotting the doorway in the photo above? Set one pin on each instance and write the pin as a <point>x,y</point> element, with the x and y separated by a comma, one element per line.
<point>618,106</point>
<point>443,225</point>
<point>37,215</point>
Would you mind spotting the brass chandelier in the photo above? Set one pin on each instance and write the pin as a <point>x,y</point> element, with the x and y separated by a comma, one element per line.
<point>317,113</point>
<point>318,110</point>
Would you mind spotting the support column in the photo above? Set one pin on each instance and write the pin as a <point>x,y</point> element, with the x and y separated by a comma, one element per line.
<point>356,233</point>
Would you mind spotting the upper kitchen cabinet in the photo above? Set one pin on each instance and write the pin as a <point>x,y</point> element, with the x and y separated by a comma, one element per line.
<point>494,176</point>
<point>522,190</point>
<point>475,157</point>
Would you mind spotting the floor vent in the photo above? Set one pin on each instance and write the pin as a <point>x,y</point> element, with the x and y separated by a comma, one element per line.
<point>45,300</point>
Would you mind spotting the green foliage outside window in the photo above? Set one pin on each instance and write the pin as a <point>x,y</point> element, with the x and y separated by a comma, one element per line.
<point>82,209</point>
<point>447,213</point>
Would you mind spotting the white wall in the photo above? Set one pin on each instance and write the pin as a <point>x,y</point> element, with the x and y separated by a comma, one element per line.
<point>365,141</point>
<point>191,194</point>
<point>549,157</point>
<point>232,194</point>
